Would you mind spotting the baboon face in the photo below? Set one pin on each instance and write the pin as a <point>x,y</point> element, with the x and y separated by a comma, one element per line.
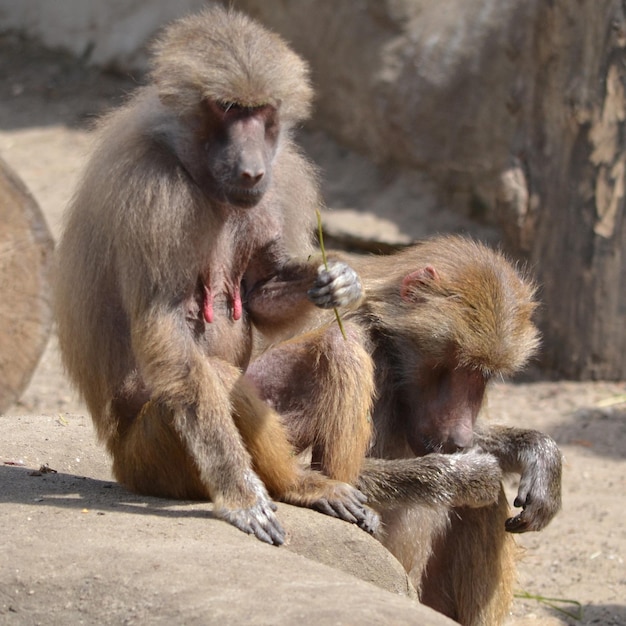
<point>229,91</point>
<point>445,401</point>
<point>238,145</point>
<point>464,316</point>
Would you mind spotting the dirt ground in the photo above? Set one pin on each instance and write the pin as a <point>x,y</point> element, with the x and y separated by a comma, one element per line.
<point>46,104</point>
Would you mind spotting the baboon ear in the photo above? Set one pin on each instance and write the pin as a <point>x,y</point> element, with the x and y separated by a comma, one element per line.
<point>414,282</point>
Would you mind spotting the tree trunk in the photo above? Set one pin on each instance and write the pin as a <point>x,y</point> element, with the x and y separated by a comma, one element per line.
<point>25,266</point>
<point>573,154</point>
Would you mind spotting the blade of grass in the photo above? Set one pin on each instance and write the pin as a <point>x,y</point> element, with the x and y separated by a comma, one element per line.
<point>577,615</point>
<point>320,236</point>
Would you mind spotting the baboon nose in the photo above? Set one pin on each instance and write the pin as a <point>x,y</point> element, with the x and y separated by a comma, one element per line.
<point>459,441</point>
<point>251,177</point>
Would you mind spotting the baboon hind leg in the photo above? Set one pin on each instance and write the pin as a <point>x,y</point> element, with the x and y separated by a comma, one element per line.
<point>323,387</point>
<point>267,438</point>
<point>471,575</point>
<point>150,458</point>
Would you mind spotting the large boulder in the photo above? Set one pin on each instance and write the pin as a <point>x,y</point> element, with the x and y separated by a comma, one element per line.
<point>77,547</point>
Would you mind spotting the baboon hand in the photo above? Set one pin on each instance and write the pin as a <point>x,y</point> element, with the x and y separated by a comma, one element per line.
<point>539,492</point>
<point>480,478</point>
<point>348,503</point>
<point>259,519</point>
<point>337,286</point>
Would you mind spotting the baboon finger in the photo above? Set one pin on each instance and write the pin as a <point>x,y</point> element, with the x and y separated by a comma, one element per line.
<point>517,524</point>
<point>269,531</point>
<point>337,286</point>
<point>259,521</point>
<point>323,506</point>
<point>343,512</point>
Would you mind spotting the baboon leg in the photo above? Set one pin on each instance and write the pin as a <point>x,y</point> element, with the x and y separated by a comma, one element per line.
<point>471,575</point>
<point>145,454</point>
<point>322,385</point>
<point>150,458</point>
<point>274,460</point>
<point>150,441</point>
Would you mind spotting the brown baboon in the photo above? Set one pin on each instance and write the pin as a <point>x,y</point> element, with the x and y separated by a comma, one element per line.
<point>195,198</point>
<point>442,318</point>
<point>445,317</point>
<point>191,226</point>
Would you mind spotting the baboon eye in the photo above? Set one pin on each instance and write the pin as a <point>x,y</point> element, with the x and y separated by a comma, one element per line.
<point>229,106</point>
<point>239,109</point>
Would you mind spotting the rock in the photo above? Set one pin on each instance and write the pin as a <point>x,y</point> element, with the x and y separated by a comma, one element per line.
<point>80,548</point>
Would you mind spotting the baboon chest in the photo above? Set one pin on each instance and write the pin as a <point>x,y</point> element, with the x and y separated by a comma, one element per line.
<point>217,311</point>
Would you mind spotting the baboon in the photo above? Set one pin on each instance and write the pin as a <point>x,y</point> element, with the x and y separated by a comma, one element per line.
<point>191,227</point>
<point>442,318</point>
<point>446,317</point>
<point>194,198</point>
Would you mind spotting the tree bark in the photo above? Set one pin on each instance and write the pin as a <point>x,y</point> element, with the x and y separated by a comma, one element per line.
<point>26,247</point>
<point>573,228</point>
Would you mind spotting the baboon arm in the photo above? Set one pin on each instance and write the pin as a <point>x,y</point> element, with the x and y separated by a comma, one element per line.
<point>281,299</point>
<point>536,457</point>
<point>468,479</point>
<point>296,289</point>
<point>197,389</point>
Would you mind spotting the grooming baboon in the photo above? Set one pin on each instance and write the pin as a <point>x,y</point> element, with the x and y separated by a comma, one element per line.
<point>194,198</point>
<point>445,317</point>
<point>442,319</point>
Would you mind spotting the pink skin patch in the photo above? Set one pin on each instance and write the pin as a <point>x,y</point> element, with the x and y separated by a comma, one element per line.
<point>207,305</point>
<point>415,280</point>
<point>237,304</point>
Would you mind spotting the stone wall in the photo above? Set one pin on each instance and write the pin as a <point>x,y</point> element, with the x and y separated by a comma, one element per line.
<point>110,33</point>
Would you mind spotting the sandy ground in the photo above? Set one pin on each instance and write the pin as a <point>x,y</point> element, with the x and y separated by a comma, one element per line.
<point>46,104</point>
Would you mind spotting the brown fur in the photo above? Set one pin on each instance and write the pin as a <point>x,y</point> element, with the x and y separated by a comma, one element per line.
<point>302,370</point>
<point>445,317</point>
<point>182,235</point>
